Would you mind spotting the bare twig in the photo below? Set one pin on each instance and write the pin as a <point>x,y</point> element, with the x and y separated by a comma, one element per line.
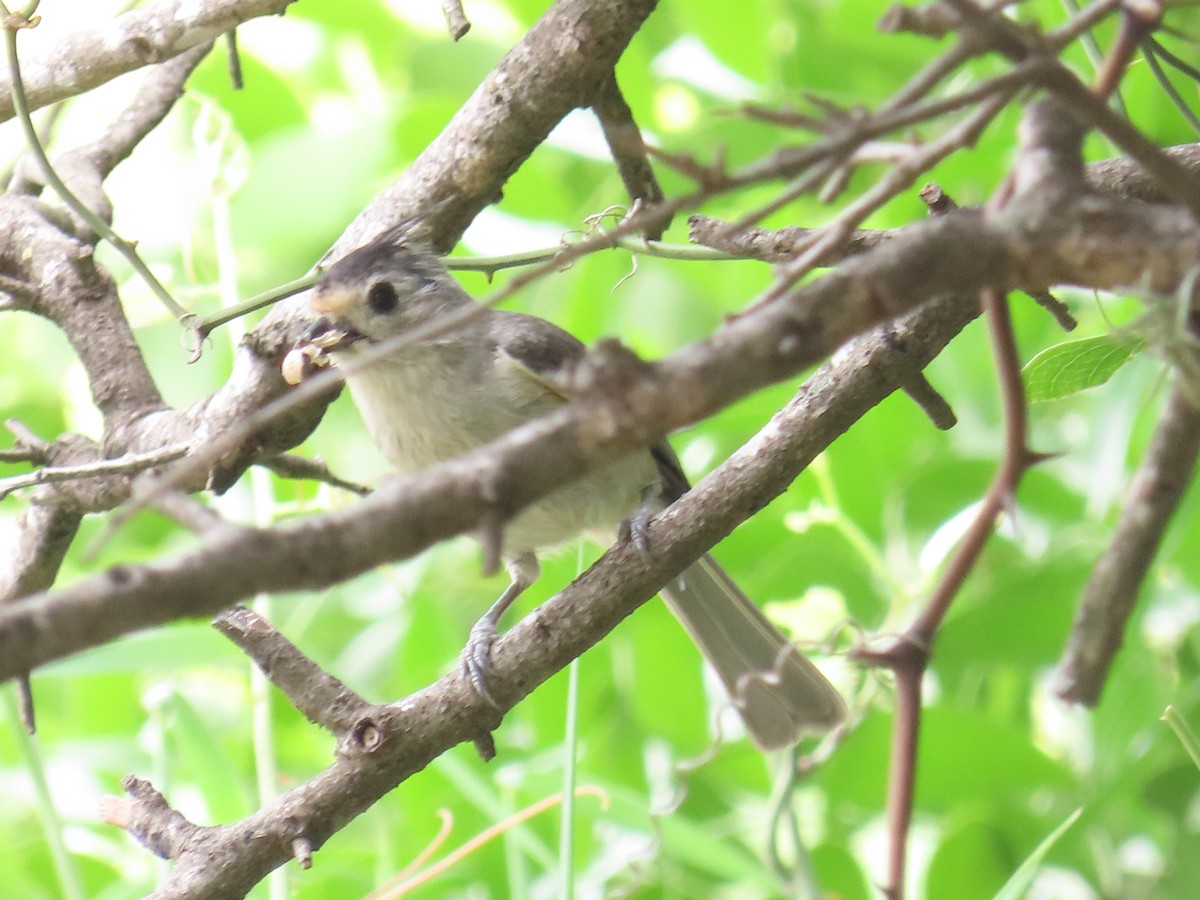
<point>1007,38</point>
<point>1081,22</point>
<point>909,654</point>
<point>1059,310</point>
<point>29,447</point>
<point>146,814</point>
<point>456,19</point>
<point>1138,21</point>
<point>1150,55</point>
<point>288,465</point>
<point>323,699</point>
<point>901,111</point>
<point>929,19</point>
<point>234,57</point>
<point>1108,600</point>
<point>44,534</point>
<point>899,178</point>
<point>189,512</point>
<point>125,465</point>
<point>1048,168</point>
<point>19,292</point>
<point>775,245</point>
<point>628,149</point>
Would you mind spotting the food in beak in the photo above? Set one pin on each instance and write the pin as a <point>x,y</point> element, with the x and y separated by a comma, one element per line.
<point>312,350</point>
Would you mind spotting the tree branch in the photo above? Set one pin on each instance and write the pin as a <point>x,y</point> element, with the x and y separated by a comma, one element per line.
<point>628,149</point>
<point>1095,244</point>
<point>148,34</point>
<point>406,736</point>
<point>542,78</point>
<point>1108,600</point>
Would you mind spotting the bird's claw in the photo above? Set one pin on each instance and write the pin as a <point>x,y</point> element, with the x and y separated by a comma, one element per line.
<point>637,529</point>
<point>477,659</point>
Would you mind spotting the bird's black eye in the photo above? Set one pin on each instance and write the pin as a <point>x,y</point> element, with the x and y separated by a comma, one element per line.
<point>381,297</point>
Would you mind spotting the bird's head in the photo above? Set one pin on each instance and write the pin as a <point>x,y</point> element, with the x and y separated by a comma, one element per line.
<point>380,290</point>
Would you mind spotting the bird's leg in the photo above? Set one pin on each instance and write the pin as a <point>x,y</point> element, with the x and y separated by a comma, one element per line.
<point>477,655</point>
<point>636,527</point>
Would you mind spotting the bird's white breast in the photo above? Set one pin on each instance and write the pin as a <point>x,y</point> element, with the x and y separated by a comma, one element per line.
<point>425,406</point>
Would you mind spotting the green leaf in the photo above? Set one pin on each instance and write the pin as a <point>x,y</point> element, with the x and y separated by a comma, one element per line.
<point>1074,366</point>
<point>1016,886</point>
<point>1184,732</point>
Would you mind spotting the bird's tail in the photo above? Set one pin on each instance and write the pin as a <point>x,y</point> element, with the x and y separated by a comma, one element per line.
<point>780,695</point>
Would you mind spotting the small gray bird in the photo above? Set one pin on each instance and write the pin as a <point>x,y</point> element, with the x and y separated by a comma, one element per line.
<point>439,398</point>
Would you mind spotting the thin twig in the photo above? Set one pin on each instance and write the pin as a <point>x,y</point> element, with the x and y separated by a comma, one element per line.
<point>1091,48</point>
<point>489,265</point>
<point>234,58</point>
<point>1138,21</point>
<point>322,698</point>
<point>124,465</point>
<point>899,178</point>
<point>12,25</point>
<point>189,512</point>
<point>1007,38</point>
<point>1048,139</point>
<point>775,245</point>
<point>628,149</point>
<point>288,465</point>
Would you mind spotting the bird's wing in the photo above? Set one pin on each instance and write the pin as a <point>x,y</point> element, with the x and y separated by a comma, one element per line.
<point>674,483</point>
<point>547,355</point>
<point>538,350</point>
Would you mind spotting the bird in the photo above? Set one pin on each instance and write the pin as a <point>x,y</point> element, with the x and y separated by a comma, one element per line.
<point>438,397</point>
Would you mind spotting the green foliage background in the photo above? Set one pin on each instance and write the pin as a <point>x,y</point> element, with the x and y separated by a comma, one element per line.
<point>246,189</point>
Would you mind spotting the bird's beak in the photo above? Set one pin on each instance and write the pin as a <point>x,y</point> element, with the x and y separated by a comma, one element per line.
<point>332,301</point>
<point>312,349</point>
<point>327,334</point>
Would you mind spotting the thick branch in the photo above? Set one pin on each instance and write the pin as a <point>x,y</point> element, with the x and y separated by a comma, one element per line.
<point>72,291</point>
<point>1124,177</point>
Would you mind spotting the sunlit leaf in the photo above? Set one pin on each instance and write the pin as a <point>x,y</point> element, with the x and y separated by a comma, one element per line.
<point>1074,366</point>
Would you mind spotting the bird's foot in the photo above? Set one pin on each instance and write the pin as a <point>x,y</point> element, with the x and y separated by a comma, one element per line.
<point>476,658</point>
<point>637,529</point>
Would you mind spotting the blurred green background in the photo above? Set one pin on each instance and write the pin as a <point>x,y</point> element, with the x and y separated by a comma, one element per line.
<point>240,191</point>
